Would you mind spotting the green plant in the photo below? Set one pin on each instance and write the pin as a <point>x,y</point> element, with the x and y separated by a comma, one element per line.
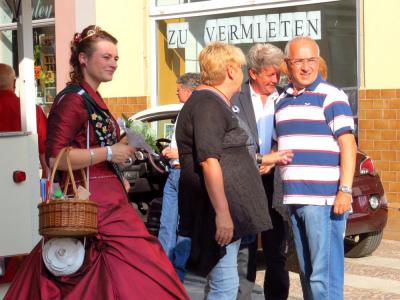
<point>36,54</point>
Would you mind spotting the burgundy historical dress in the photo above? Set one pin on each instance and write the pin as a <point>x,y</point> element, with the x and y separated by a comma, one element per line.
<point>123,261</point>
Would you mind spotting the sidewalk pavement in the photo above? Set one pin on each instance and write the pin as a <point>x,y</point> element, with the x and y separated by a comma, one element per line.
<point>372,277</point>
<point>195,287</point>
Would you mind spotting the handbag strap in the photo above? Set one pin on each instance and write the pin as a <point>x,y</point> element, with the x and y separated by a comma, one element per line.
<point>88,147</point>
<point>85,177</point>
<point>67,180</point>
<point>54,169</point>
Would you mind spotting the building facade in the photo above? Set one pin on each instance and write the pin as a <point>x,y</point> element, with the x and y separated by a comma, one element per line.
<point>356,38</point>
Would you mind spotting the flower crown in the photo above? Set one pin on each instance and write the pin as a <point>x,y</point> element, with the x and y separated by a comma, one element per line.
<point>78,37</point>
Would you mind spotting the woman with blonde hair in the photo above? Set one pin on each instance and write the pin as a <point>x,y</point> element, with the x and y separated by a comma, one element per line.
<point>221,197</point>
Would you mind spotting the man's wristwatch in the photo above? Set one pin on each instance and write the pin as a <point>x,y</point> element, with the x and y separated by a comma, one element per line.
<point>259,158</point>
<point>345,189</point>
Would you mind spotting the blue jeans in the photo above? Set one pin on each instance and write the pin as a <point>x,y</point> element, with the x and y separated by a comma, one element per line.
<point>223,280</point>
<point>176,247</point>
<point>318,235</point>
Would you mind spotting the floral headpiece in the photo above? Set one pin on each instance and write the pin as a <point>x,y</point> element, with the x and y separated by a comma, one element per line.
<point>78,37</point>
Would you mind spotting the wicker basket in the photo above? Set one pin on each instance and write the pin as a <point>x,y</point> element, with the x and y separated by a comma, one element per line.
<point>70,217</point>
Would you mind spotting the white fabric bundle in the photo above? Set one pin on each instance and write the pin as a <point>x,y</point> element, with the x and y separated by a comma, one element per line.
<point>63,256</point>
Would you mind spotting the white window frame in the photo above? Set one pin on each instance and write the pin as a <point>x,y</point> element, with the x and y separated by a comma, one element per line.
<point>35,24</point>
<point>212,7</point>
<point>220,6</point>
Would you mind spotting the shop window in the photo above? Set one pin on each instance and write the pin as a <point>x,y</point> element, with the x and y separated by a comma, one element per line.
<point>45,64</point>
<point>332,24</point>
<point>44,61</point>
<point>6,12</point>
<point>43,44</point>
<point>41,9</point>
<point>6,54</point>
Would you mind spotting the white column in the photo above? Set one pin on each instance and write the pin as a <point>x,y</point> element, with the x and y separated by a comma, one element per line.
<point>26,73</point>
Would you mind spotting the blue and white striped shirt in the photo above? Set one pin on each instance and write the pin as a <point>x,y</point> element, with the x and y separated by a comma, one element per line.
<point>309,123</point>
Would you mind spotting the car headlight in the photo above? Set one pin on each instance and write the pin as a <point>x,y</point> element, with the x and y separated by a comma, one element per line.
<point>373,202</point>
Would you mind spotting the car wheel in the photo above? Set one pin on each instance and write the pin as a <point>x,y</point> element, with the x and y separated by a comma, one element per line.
<point>366,244</point>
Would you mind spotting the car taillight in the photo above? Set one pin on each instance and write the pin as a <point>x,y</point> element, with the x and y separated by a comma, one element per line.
<point>367,166</point>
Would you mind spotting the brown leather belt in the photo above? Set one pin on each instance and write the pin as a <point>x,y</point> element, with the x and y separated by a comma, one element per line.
<point>176,167</point>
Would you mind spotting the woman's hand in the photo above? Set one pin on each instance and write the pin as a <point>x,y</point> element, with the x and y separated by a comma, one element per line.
<point>282,157</point>
<point>264,169</point>
<point>224,228</point>
<point>121,152</point>
<point>215,188</point>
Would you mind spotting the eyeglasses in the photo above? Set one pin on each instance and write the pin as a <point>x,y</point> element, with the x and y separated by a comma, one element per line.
<point>298,62</point>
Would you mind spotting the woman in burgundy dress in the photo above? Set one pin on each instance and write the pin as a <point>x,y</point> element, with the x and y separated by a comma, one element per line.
<point>123,261</point>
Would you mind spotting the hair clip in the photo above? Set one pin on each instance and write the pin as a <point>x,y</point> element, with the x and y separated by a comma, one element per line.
<point>77,38</point>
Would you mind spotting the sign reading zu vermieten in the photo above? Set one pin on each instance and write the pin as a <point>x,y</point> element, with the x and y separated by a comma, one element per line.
<point>250,29</point>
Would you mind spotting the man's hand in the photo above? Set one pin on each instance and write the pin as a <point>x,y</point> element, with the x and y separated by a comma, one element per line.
<point>342,203</point>
<point>224,230</point>
<point>170,153</point>
<point>348,152</point>
<point>282,157</point>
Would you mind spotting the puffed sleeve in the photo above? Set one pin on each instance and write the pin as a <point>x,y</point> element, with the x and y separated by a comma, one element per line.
<point>209,127</point>
<point>41,123</point>
<point>67,119</point>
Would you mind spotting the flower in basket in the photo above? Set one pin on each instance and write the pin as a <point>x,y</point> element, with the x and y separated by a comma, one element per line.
<point>139,134</point>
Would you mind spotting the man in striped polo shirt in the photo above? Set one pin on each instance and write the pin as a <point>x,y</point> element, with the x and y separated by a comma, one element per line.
<point>314,119</point>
